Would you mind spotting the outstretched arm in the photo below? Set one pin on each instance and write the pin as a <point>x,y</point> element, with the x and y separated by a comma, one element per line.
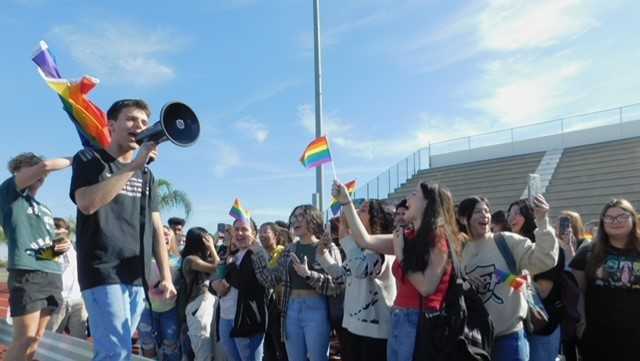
<point>26,176</point>
<point>382,243</point>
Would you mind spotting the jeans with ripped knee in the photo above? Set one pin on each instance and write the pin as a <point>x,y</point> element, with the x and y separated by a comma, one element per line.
<point>160,331</point>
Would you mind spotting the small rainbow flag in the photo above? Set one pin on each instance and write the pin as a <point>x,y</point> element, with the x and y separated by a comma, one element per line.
<point>515,282</point>
<point>89,119</point>
<point>238,212</point>
<point>335,205</point>
<point>316,153</point>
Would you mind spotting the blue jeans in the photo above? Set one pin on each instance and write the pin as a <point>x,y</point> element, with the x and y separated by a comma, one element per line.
<point>544,348</point>
<point>511,347</point>
<point>159,331</point>
<point>240,348</point>
<point>308,328</point>
<point>114,313</point>
<point>402,341</point>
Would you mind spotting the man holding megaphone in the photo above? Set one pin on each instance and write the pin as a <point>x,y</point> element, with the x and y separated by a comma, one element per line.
<point>118,229</point>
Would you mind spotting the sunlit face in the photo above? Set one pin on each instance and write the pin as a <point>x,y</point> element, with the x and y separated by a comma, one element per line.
<point>131,121</point>
<point>480,220</point>
<point>267,237</point>
<point>416,204</point>
<point>299,223</point>
<point>399,217</point>
<point>618,223</point>
<point>515,219</point>
<point>243,234</point>
<point>363,213</point>
<point>167,233</point>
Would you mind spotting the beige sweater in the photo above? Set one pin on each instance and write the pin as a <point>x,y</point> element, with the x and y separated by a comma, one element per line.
<point>481,258</point>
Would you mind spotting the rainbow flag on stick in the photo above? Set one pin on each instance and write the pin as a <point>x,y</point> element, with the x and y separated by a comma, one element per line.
<point>238,212</point>
<point>515,282</point>
<point>335,206</point>
<point>316,153</point>
<point>89,119</point>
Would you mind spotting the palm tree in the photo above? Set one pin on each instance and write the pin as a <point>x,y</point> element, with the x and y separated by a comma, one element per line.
<point>171,197</point>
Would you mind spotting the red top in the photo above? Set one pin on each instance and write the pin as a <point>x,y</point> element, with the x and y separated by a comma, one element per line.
<point>408,295</point>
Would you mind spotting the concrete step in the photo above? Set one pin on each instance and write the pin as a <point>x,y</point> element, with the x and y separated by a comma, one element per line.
<point>487,163</point>
<point>480,176</point>
<point>605,146</point>
<point>563,172</point>
<point>564,179</point>
<point>475,169</point>
<point>589,183</point>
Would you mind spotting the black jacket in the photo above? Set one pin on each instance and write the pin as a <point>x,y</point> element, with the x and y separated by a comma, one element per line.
<point>251,309</point>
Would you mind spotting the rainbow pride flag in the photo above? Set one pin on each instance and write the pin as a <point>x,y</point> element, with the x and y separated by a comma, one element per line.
<point>335,205</point>
<point>515,282</point>
<point>238,212</point>
<point>316,153</point>
<point>89,119</point>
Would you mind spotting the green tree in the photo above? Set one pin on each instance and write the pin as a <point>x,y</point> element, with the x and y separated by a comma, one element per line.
<point>3,238</point>
<point>171,197</point>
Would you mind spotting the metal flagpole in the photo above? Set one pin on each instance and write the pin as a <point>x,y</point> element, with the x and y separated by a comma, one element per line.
<point>318,197</point>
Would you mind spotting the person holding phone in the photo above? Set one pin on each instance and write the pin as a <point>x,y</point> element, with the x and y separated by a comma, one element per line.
<point>305,309</point>
<point>483,262</point>
<point>35,282</point>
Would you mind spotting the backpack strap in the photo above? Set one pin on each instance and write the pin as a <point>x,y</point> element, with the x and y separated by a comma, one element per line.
<point>505,251</point>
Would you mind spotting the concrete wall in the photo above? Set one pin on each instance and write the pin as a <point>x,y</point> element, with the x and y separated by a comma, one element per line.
<point>568,139</point>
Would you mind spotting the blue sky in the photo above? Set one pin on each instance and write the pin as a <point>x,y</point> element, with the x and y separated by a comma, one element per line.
<point>397,74</point>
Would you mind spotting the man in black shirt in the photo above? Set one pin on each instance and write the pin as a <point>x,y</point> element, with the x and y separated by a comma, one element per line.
<point>118,229</point>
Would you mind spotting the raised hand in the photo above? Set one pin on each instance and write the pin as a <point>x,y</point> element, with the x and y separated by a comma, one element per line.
<point>540,207</point>
<point>339,192</point>
<point>301,268</point>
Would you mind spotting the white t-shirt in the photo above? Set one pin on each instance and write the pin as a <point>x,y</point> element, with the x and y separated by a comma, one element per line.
<point>70,285</point>
<point>229,302</point>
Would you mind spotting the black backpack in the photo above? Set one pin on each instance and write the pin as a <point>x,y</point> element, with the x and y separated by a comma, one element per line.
<point>462,331</point>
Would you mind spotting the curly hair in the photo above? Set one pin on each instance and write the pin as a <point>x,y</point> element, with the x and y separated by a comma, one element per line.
<point>438,217</point>
<point>312,217</point>
<point>22,160</point>
<point>380,219</point>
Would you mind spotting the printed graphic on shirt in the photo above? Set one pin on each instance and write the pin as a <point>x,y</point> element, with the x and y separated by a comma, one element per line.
<point>484,281</point>
<point>42,248</point>
<point>619,272</point>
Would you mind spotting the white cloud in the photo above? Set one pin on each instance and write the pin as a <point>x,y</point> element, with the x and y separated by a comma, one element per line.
<point>526,90</point>
<point>255,129</point>
<point>507,25</point>
<point>121,52</point>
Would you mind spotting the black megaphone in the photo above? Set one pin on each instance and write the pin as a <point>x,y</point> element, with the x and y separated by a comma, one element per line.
<point>178,124</point>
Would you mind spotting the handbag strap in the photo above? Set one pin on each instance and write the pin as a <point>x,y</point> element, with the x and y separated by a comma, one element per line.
<point>505,251</point>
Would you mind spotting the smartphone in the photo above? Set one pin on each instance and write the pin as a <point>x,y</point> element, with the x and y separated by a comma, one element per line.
<point>563,225</point>
<point>533,186</point>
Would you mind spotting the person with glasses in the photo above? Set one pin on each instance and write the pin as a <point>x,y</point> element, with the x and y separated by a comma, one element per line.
<point>608,273</point>
<point>305,308</point>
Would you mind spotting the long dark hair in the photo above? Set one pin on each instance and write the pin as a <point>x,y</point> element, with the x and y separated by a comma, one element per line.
<point>601,242</point>
<point>438,214</point>
<point>194,244</point>
<point>526,211</point>
<point>465,211</point>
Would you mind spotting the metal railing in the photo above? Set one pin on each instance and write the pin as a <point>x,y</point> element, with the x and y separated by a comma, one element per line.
<point>391,179</point>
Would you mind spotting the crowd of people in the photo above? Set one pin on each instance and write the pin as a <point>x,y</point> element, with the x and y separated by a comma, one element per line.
<point>366,285</point>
